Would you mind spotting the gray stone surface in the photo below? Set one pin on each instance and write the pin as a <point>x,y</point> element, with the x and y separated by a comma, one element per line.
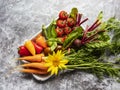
<point>21,19</point>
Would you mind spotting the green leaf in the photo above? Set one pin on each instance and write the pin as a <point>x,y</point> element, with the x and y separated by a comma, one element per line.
<point>53,32</point>
<point>50,32</point>
<point>44,31</point>
<point>116,39</point>
<point>72,36</point>
<point>52,43</point>
<point>104,36</point>
<point>113,25</point>
<point>103,26</point>
<point>74,12</point>
<point>96,45</point>
<point>53,46</point>
<point>100,16</point>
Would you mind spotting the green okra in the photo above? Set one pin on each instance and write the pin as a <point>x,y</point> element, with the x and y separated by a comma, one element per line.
<point>72,36</point>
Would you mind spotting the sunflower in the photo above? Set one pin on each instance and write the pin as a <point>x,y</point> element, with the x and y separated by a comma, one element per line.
<point>55,62</point>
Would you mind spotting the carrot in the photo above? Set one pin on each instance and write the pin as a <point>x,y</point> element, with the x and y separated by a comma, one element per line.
<point>41,41</point>
<point>40,66</point>
<point>34,71</point>
<point>29,45</point>
<point>35,58</point>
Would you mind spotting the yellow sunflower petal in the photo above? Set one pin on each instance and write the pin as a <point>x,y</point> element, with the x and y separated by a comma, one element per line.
<point>60,67</point>
<point>55,62</point>
<point>48,64</point>
<point>56,70</point>
<point>63,66</point>
<point>50,57</point>
<point>59,54</point>
<point>64,61</point>
<point>50,68</point>
<point>53,53</point>
<point>53,71</point>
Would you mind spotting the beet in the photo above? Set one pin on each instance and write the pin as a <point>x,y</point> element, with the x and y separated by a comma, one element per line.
<point>77,42</point>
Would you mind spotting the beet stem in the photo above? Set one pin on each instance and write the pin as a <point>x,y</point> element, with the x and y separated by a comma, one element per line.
<point>90,29</point>
<point>84,34</point>
<point>95,26</point>
<point>79,16</point>
<point>91,37</point>
<point>83,21</point>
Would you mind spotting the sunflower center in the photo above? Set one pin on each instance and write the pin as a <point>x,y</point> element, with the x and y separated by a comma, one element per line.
<point>56,63</point>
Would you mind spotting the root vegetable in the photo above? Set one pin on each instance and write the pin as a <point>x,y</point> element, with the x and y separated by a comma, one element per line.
<point>40,65</point>
<point>35,58</point>
<point>77,42</point>
<point>34,71</point>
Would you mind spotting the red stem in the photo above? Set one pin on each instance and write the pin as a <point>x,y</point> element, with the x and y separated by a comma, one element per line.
<point>79,16</point>
<point>84,34</point>
<point>83,21</point>
<point>91,37</point>
<point>95,26</point>
<point>90,28</point>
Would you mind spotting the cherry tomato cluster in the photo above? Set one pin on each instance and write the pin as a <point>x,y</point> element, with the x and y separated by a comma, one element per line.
<point>65,24</point>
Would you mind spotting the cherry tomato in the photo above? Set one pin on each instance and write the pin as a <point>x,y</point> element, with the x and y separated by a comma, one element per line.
<point>62,39</point>
<point>59,31</point>
<point>63,15</point>
<point>67,30</point>
<point>70,22</point>
<point>61,23</point>
<point>47,51</point>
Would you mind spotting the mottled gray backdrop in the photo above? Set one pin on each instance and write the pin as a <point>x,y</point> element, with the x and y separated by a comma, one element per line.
<point>21,19</point>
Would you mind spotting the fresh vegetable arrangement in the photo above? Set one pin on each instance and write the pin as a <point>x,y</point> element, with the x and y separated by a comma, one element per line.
<point>66,45</point>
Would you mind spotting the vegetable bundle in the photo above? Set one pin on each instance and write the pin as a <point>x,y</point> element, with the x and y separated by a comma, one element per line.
<point>65,44</point>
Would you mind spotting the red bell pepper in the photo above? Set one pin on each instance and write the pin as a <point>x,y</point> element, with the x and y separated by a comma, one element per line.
<point>38,48</point>
<point>23,51</point>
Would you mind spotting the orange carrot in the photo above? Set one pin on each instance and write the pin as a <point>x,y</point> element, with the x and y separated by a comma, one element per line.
<point>35,65</point>
<point>41,41</point>
<point>29,45</point>
<point>34,71</point>
<point>35,58</point>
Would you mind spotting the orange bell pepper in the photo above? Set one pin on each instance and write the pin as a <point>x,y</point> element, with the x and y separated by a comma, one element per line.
<point>41,41</point>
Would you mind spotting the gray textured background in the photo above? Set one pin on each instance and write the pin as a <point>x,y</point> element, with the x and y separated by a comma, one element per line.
<point>21,19</point>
